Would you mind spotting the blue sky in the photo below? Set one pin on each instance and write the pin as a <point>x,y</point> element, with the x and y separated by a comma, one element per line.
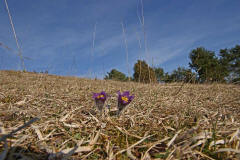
<point>58,35</point>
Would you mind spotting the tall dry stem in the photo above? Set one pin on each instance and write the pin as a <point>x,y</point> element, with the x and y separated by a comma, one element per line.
<point>142,22</point>
<point>126,46</point>
<point>93,46</point>
<point>15,36</point>
<point>140,67</point>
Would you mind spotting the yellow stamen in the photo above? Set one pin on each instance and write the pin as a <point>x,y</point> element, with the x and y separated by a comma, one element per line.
<point>125,99</point>
<point>100,96</point>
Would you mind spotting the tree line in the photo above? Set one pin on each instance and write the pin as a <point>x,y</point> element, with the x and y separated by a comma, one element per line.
<point>205,66</point>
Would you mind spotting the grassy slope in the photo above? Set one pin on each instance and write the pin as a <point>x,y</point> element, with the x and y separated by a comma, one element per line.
<point>188,120</point>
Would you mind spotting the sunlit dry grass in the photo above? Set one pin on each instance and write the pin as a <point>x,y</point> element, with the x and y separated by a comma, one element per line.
<point>200,121</point>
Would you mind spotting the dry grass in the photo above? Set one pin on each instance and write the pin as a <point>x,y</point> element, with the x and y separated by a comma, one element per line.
<point>199,122</point>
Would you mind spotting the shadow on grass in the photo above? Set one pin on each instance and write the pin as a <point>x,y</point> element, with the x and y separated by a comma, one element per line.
<point>27,153</point>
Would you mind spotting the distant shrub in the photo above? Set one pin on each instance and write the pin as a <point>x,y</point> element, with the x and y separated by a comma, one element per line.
<point>116,75</point>
<point>181,74</point>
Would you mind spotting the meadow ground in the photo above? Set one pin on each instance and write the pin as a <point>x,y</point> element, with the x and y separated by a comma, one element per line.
<point>164,121</point>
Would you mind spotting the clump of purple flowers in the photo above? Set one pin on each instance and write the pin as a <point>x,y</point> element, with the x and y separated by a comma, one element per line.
<point>123,100</point>
<point>100,99</point>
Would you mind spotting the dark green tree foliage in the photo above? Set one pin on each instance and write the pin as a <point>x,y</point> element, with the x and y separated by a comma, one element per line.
<point>167,78</point>
<point>230,60</point>
<point>159,72</point>
<point>116,75</point>
<point>207,65</point>
<point>144,76</point>
<point>182,74</point>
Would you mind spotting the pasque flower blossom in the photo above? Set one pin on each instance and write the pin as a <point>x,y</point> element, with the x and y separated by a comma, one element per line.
<point>100,99</point>
<point>123,100</point>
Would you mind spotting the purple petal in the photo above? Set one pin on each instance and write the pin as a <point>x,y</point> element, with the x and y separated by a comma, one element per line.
<point>119,93</point>
<point>131,98</point>
<point>95,95</point>
<point>126,93</point>
<point>103,93</point>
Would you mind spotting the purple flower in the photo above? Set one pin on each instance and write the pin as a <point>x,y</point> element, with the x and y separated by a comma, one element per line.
<point>100,96</point>
<point>100,99</point>
<point>123,100</point>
